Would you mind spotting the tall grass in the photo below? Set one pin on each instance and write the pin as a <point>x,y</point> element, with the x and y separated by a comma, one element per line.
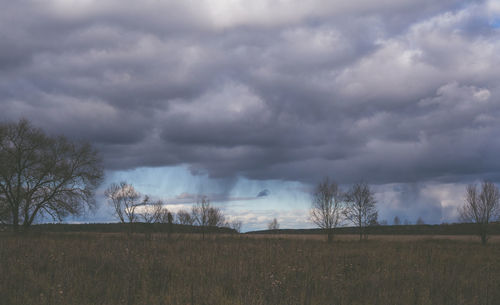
<point>95,268</point>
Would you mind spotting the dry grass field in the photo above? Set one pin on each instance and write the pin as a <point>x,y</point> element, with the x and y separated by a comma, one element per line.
<point>97,268</point>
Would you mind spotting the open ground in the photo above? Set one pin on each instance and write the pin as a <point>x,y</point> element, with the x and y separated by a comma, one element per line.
<point>120,268</point>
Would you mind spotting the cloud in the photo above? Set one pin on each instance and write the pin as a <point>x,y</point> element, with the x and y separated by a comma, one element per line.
<point>216,198</point>
<point>258,219</point>
<point>263,193</point>
<point>387,92</point>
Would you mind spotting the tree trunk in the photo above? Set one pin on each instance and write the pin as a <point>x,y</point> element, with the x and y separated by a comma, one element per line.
<point>25,225</point>
<point>330,235</point>
<point>15,222</point>
<point>15,219</point>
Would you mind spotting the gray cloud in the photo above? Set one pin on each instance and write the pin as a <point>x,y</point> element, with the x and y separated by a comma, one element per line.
<point>263,193</point>
<point>389,92</point>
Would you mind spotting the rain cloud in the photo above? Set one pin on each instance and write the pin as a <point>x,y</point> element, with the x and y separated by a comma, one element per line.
<point>388,92</point>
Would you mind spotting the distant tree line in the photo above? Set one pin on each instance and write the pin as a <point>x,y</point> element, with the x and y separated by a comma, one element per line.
<point>130,206</point>
<point>331,207</point>
<point>51,177</point>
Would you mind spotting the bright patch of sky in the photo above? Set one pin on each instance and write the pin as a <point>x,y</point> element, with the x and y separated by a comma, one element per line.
<point>254,202</point>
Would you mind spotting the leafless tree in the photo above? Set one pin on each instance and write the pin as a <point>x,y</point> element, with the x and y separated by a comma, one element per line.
<point>125,200</point>
<point>397,221</point>
<point>184,218</point>
<point>5,214</point>
<point>42,175</point>
<point>326,206</point>
<point>152,211</point>
<point>199,211</point>
<point>206,215</point>
<point>215,217</point>
<point>360,207</point>
<point>420,221</point>
<point>481,207</point>
<point>273,225</point>
<point>235,225</point>
<point>166,216</point>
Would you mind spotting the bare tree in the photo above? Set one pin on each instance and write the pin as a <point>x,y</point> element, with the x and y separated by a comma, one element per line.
<point>184,218</point>
<point>44,176</point>
<point>206,215</point>
<point>481,207</point>
<point>215,217</point>
<point>5,214</point>
<point>273,225</point>
<point>199,211</point>
<point>236,225</point>
<point>166,216</point>
<point>420,221</point>
<point>397,221</point>
<point>360,207</point>
<point>326,206</point>
<point>125,200</point>
<point>152,212</point>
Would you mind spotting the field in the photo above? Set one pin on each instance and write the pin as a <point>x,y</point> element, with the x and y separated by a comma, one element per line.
<point>118,268</point>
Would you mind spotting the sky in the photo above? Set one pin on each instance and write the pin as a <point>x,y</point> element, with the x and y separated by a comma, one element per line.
<point>254,102</point>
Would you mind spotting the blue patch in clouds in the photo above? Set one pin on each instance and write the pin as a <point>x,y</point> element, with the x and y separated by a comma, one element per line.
<point>495,23</point>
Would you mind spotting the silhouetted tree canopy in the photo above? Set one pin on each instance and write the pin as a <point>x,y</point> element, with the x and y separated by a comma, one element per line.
<point>325,209</point>
<point>360,207</point>
<point>481,207</point>
<point>41,175</point>
<point>273,225</point>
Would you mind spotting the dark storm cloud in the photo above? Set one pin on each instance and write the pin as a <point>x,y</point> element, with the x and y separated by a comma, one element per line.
<point>263,193</point>
<point>392,91</point>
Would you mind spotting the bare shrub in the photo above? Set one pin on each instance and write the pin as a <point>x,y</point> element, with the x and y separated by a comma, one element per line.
<point>273,225</point>
<point>184,218</point>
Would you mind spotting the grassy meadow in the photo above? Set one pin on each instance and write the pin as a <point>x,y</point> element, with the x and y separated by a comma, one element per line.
<point>118,268</point>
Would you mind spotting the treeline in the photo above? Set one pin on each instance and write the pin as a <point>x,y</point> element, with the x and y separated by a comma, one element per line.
<point>138,227</point>
<point>133,208</point>
<point>50,177</point>
<point>46,177</point>
<point>331,207</point>
<point>440,229</point>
